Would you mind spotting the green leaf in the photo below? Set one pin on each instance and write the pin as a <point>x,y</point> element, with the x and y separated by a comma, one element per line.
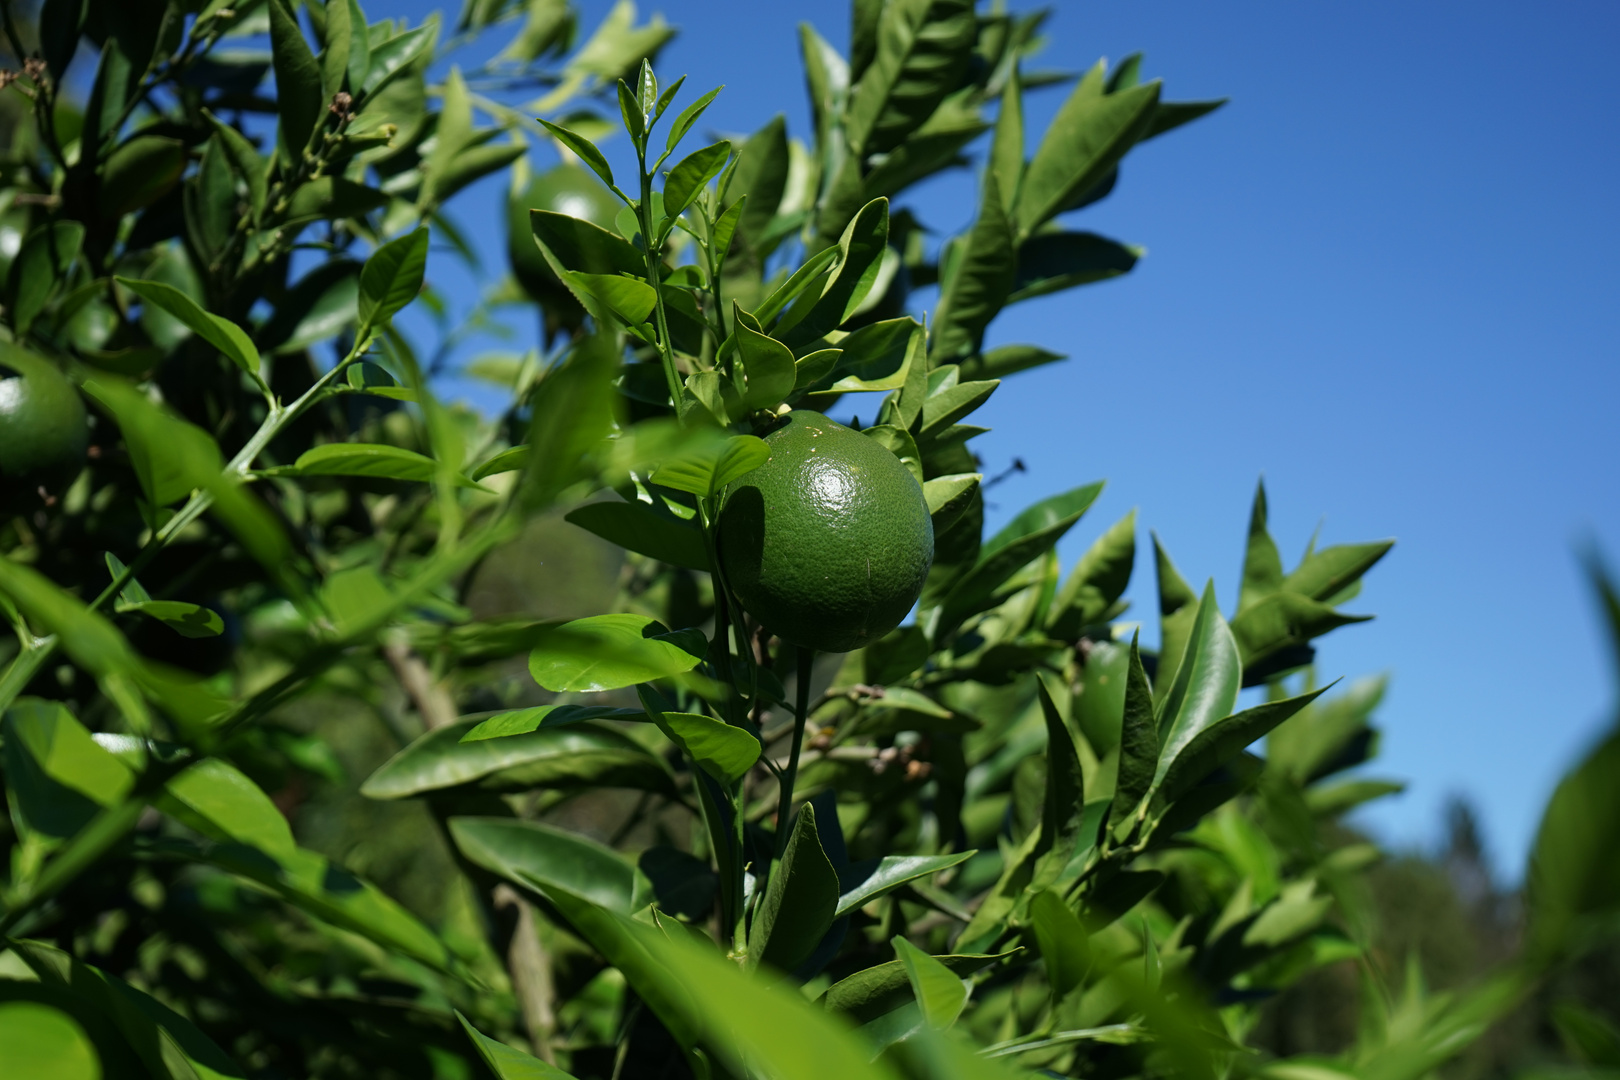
<point>1063,807</point>
<point>866,881</point>
<point>815,268</point>
<point>1178,607</point>
<point>366,459</point>
<point>706,469</point>
<point>1090,134</point>
<point>941,410</point>
<point>1006,160</point>
<point>949,497</point>
<point>44,1043</point>
<point>1006,360</point>
<point>1324,574</point>
<point>573,413</point>
<point>319,307</point>
<point>391,278</point>
<point>1030,534</point>
<point>507,1063</point>
<point>1221,741</point>
<point>1050,262</point>
<point>799,900</point>
<point>939,991</point>
<point>583,148</point>
<point>220,801</point>
<point>333,197</point>
<point>607,652</point>
<point>629,299</point>
<point>760,175</point>
<point>217,330</point>
<point>635,121</point>
<point>395,56</point>
<point>541,857</point>
<point>1206,685</point>
<point>139,173</point>
<point>1138,743</point>
<point>562,757</point>
<point>687,117</point>
<point>880,356</point>
<point>922,48</point>
<point>899,442</point>
<point>768,369</point>
<point>1283,620</point>
<point>57,775</point>
<point>1574,879</point>
<point>523,721</point>
<point>1062,941</point>
<point>882,988</point>
<point>339,36</point>
<point>861,255</point>
<point>41,264</point>
<point>813,368</point>
<point>187,620</point>
<point>643,529</point>
<point>688,179</point>
<point>299,100</point>
<point>1262,566</point>
<point>981,280</point>
<point>719,749</point>
<point>1097,581</point>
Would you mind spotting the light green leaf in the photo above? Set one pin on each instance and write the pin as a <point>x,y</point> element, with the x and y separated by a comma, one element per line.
<point>391,278</point>
<point>1206,684</point>
<point>880,356</point>
<point>57,775</point>
<point>719,749</point>
<point>687,117</point>
<point>707,468</point>
<point>899,442</point>
<point>688,179</point>
<point>939,991</point>
<point>631,300</point>
<point>607,652</point>
<point>396,56</point>
<point>769,371</point>
<point>949,496</point>
<point>523,721</point>
<point>882,988</point>
<point>187,620</point>
<point>1097,581</point>
<point>44,1043</point>
<point>217,330</point>
<point>583,148</point>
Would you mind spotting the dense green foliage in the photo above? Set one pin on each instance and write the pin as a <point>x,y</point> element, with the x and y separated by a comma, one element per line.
<point>350,733</point>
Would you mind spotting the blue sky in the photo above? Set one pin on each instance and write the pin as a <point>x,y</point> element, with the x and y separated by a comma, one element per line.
<point>1384,277</point>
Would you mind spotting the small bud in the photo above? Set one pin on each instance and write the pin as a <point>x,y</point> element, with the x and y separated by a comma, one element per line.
<point>342,102</point>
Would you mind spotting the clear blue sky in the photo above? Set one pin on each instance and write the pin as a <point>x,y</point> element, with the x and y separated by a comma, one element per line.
<point>1384,276</point>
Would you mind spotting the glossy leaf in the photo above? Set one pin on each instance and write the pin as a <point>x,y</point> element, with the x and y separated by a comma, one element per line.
<point>899,442</point>
<point>1221,741</point>
<point>367,459</point>
<point>57,775</point>
<point>768,369</point>
<point>880,356</point>
<point>607,652</point>
<point>861,250</point>
<point>949,497</point>
<point>814,270</point>
<point>939,992</point>
<point>563,757</point>
<point>1063,806</point>
<point>395,56</point>
<point>218,331</point>
<point>706,470</point>
<point>1050,262</point>
<point>631,301</point>
<point>1139,741</point>
<point>882,988</point>
<point>640,528</point>
<point>1284,620</point>
<point>523,721</point>
<point>1206,684</point>
<point>799,900</point>
<point>866,881</point>
<point>1098,580</point>
<point>1323,574</point>
<point>1178,607</point>
<point>719,749</point>
<point>538,856</point>
<point>391,278</point>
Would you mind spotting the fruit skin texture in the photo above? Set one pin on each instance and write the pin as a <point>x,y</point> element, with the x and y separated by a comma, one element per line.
<point>566,189</point>
<point>827,543</point>
<point>43,432</point>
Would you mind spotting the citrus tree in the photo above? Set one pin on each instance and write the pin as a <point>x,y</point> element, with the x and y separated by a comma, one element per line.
<point>870,793</point>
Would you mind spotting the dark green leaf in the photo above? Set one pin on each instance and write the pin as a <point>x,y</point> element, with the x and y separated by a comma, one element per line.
<point>1097,581</point>
<point>396,55</point>
<point>1178,606</point>
<point>805,277</point>
<point>1170,115</point>
<point>187,620</point>
<point>564,757</point>
<point>1262,566</point>
<point>1050,262</point>
<point>861,248</point>
<point>217,330</point>
<point>299,100</point>
<point>42,264</point>
<point>1283,620</point>
<point>333,197</point>
<point>507,1063</point>
<point>573,413</point>
<point>1206,684</point>
<point>768,369</point>
<point>949,497</point>
<point>1064,803</point>
<point>882,988</point>
<point>761,176</point>
<point>1062,941</point>
<point>945,408</point>
<point>1006,161</point>
<point>641,528</point>
<point>980,281</point>
<point>56,774</point>
<point>1005,360</point>
<point>1323,574</point>
<point>688,116</point>
<point>899,442</point>
<point>880,356</point>
<point>1221,741</point>
<point>139,173</point>
<point>319,307</point>
<point>1574,879</point>
<point>1139,742</point>
<point>922,48</point>
<point>799,900</point>
<point>864,882</point>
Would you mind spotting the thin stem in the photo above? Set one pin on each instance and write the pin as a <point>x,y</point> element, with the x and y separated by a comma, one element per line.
<point>801,709</point>
<point>666,349</point>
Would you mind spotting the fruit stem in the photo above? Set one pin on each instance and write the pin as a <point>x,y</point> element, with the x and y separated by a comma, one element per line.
<point>801,709</point>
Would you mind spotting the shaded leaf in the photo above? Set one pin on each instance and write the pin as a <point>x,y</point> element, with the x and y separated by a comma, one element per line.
<point>799,900</point>
<point>541,857</point>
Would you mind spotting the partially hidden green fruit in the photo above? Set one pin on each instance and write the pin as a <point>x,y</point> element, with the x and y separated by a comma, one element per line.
<point>566,189</point>
<point>43,432</point>
<point>827,543</point>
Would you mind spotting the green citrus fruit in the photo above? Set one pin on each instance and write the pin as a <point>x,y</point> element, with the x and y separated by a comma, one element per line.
<point>828,542</point>
<point>43,434</point>
<point>566,189</point>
